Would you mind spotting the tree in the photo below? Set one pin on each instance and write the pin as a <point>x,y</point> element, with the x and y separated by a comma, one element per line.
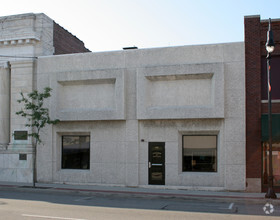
<point>37,116</point>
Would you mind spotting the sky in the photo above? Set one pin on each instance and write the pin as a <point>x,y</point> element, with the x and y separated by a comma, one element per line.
<point>106,25</point>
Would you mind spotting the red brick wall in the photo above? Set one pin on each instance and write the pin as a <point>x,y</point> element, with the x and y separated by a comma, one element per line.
<point>65,42</point>
<point>255,39</point>
<point>253,96</point>
<point>275,25</point>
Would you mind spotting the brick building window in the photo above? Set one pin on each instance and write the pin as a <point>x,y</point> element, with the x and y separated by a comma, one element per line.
<point>199,153</point>
<point>275,78</point>
<point>75,152</point>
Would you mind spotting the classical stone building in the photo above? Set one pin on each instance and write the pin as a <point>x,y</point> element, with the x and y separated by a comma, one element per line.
<point>171,117</point>
<point>23,38</point>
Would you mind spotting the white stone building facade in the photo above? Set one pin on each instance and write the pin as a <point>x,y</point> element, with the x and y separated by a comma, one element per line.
<point>168,117</point>
<point>21,36</point>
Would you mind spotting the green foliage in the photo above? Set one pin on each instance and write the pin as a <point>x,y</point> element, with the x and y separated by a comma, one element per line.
<point>36,114</point>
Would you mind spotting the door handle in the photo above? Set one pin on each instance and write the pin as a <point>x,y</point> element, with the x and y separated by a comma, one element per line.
<point>154,164</point>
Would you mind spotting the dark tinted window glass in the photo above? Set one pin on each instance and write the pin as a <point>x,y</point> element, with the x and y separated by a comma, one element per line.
<point>275,77</point>
<point>75,152</point>
<point>200,153</point>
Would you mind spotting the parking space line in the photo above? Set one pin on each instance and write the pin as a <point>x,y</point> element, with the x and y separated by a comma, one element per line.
<point>84,198</point>
<point>50,217</point>
<point>231,206</point>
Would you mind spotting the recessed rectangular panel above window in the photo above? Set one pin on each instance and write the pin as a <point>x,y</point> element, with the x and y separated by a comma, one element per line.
<point>199,153</point>
<point>181,91</point>
<point>75,152</point>
<point>90,95</point>
<point>72,94</point>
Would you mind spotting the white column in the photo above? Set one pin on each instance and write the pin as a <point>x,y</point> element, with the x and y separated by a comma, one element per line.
<point>4,105</point>
<point>21,81</point>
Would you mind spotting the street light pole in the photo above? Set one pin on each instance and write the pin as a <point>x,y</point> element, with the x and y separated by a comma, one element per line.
<point>270,48</point>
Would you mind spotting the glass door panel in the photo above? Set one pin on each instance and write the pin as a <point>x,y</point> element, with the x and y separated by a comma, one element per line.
<point>156,163</point>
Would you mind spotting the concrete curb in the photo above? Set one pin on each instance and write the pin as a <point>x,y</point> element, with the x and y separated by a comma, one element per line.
<point>256,200</point>
<point>199,195</point>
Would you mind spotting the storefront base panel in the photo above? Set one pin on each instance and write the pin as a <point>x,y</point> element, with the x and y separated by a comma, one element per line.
<point>253,184</point>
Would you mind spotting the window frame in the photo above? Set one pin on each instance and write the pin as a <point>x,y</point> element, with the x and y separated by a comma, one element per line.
<point>216,156</point>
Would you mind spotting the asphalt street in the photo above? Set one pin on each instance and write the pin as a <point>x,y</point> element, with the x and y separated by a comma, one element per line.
<point>38,204</point>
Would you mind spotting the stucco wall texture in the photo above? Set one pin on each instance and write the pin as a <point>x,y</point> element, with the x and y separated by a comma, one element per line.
<point>138,105</point>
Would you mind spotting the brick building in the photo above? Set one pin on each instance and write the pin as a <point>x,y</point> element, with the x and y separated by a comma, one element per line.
<point>65,43</point>
<point>256,103</point>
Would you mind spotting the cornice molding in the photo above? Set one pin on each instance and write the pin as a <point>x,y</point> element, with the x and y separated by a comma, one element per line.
<point>30,38</point>
<point>5,65</point>
<point>22,63</point>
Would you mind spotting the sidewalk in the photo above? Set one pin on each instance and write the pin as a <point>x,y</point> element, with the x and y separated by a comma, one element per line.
<point>144,192</point>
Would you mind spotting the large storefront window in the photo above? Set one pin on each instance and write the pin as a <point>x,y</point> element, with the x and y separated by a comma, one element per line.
<point>275,149</point>
<point>200,153</point>
<point>275,162</point>
<point>75,152</point>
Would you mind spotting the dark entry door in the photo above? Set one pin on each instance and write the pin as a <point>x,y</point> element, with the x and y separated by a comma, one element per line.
<point>156,163</point>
